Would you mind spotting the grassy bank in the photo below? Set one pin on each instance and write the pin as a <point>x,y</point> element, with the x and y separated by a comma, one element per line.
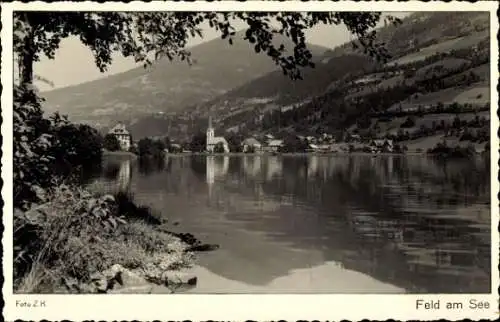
<point>418,151</point>
<point>118,154</point>
<point>79,243</point>
<point>326,154</point>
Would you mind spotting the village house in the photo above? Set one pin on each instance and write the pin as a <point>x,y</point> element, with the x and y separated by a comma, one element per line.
<point>355,138</point>
<point>325,148</point>
<point>327,138</point>
<point>274,145</point>
<point>311,140</point>
<point>213,141</point>
<point>120,132</point>
<point>269,136</point>
<point>382,145</point>
<point>339,147</point>
<point>251,144</point>
<point>175,148</point>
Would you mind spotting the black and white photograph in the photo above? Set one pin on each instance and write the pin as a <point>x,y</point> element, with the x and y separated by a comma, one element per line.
<point>253,152</point>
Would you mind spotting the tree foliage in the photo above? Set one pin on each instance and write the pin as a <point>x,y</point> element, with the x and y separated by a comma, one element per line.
<point>234,141</point>
<point>76,145</point>
<point>46,149</point>
<point>147,36</point>
<point>151,148</point>
<point>219,148</point>
<point>198,142</point>
<point>293,144</point>
<point>111,143</point>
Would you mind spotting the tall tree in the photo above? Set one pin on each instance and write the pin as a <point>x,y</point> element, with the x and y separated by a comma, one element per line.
<point>111,143</point>
<point>146,36</point>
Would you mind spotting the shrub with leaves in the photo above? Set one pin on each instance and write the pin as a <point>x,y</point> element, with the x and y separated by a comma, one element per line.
<point>75,235</point>
<point>33,141</point>
<point>111,143</point>
<point>46,150</point>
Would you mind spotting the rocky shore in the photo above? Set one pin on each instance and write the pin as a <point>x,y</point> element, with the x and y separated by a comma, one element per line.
<point>79,243</point>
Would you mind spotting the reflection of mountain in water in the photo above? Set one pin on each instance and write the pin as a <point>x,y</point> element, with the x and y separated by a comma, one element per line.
<point>395,219</point>
<point>409,221</point>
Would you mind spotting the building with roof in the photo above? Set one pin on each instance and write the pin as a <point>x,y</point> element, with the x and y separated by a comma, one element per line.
<point>383,145</point>
<point>213,141</point>
<point>251,144</point>
<point>120,132</point>
<point>275,145</point>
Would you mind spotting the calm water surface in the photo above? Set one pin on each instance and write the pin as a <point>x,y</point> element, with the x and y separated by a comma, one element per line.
<point>411,222</point>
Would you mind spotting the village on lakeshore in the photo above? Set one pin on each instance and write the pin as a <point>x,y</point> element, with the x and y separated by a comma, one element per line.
<point>267,143</point>
<point>271,144</point>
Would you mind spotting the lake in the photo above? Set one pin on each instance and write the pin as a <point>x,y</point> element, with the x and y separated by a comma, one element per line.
<point>323,224</point>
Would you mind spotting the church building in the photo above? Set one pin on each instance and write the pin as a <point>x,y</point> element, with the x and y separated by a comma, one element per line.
<point>213,141</point>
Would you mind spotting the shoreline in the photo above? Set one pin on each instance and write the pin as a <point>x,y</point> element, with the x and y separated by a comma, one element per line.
<point>329,154</point>
<point>107,153</point>
<point>291,154</point>
<point>129,249</point>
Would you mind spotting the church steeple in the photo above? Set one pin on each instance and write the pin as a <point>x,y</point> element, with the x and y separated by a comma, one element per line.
<point>210,122</point>
<point>210,132</point>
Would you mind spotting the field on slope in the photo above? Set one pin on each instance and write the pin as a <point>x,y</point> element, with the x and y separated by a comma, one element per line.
<point>457,73</point>
<point>445,46</point>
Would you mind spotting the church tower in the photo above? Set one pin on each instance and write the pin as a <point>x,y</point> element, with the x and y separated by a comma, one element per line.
<point>210,134</point>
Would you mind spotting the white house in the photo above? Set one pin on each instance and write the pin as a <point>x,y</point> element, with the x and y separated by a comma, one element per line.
<point>382,145</point>
<point>212,140</point>
<point>122,135</point>
<point>274,145</point>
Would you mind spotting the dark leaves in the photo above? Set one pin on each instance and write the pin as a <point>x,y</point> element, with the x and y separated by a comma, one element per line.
<point>166,34</point>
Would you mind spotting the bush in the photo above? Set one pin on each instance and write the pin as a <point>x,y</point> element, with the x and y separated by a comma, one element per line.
<point>292,144</point>
<point>409,122</point>
<point>74,236</point>
<point>148,148</point>
<point>77,145</point>
<point>46,149</point>
<point>250,149</point>
<point>219,148</point>
<point>468,136</point>
<point>111,143</point>
<point>443,150</point>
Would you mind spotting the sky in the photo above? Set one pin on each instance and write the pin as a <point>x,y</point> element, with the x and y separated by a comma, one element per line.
<point>74,63</point>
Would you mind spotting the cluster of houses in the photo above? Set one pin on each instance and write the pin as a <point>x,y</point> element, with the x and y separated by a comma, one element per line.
<point>317,146</point>
<point>324,143</point>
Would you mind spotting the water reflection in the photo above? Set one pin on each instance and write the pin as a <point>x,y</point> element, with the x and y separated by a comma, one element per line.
<point>414,222</point>
<point>149,166</point>
<point>115,174</point>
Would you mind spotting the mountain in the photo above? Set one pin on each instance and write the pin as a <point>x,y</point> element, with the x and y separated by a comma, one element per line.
<point>418,37</point>
<point>435,89</point>
<point>240,89</point>
<point>167,86</point>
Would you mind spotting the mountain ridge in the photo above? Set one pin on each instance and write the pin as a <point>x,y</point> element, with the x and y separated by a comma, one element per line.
<point>247,99</point>
<point>166,86</point>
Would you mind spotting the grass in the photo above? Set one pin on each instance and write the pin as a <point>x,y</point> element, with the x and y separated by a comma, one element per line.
<point>107,153</point>
<point>63,243</point>
<point>445,46</point>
